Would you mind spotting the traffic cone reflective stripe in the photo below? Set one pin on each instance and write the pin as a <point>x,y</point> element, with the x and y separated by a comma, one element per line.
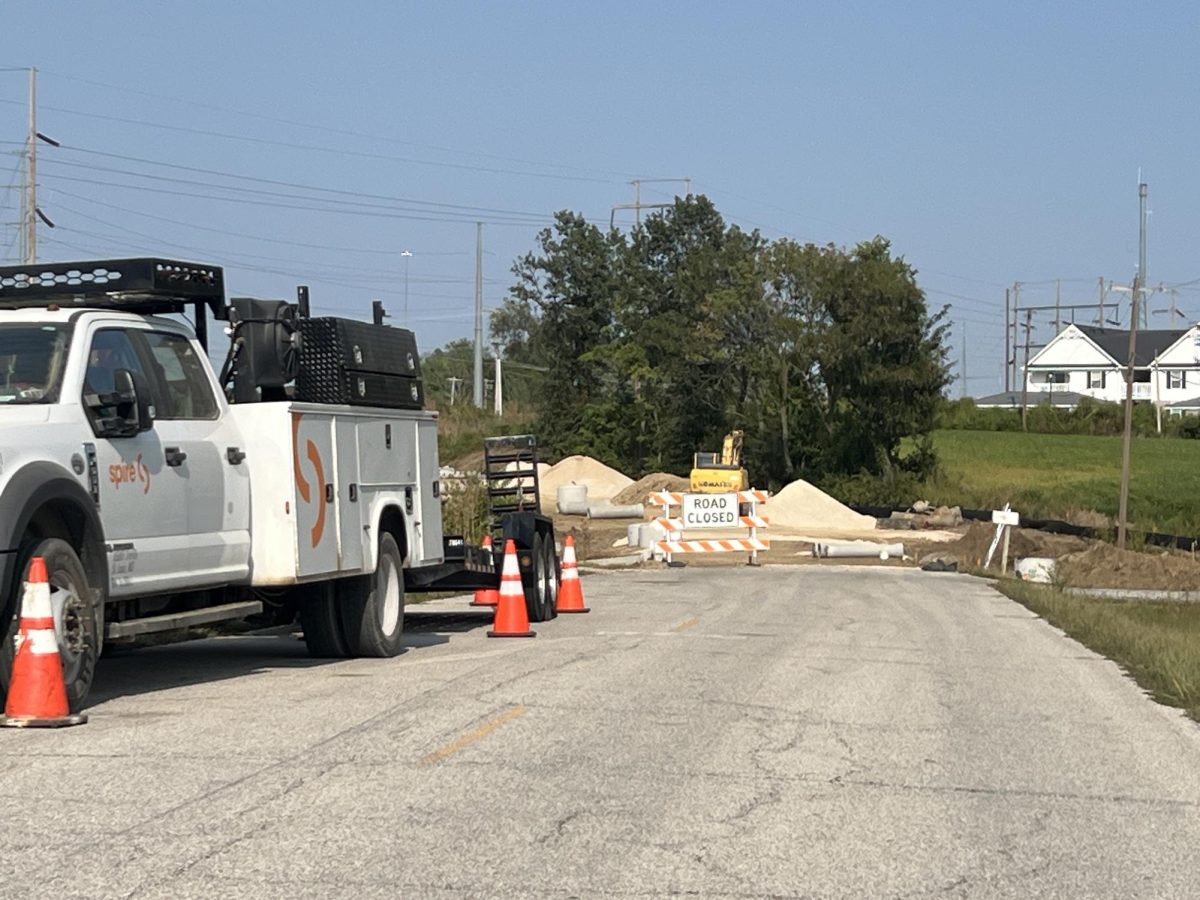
<point>487,596</point>
<point>37,694</point>
<point>512,619</point>
<point>570,590</point>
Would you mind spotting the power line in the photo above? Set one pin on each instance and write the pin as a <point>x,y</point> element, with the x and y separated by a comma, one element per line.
<point>339,151</point>
<point>199,170</point>
<point>308,125</point>
<point>245,235</point>
<point>362,213</point>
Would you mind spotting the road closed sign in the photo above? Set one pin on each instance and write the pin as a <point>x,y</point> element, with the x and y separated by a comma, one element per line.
<point>710,511</point>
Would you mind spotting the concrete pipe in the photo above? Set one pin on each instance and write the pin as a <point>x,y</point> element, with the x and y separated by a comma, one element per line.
<point>608,511</point>
<point>572,499</point>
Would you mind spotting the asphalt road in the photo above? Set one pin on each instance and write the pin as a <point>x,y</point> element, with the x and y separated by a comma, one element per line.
<point>781,732</point>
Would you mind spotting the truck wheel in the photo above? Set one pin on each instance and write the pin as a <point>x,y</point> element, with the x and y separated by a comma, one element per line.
<point>319,618</point>
<point>372,606</point>
<point>78,618</point>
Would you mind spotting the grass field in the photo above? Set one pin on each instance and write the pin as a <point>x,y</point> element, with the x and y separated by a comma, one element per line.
<point>1157,643</point>
<point>1069,476</point>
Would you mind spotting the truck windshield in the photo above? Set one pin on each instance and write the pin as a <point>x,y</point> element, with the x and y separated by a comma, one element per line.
<point>32,358</point>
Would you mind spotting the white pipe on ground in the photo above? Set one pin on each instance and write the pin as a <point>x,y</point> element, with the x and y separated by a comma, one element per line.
<point>861,550</point>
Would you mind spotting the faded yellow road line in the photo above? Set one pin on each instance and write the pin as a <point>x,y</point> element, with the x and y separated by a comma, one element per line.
<point>686,624</point>
<point>472,736</point>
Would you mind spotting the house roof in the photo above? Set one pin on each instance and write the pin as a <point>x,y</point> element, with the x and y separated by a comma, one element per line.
<point>1194,403</point>
<point>1115,342</point>
<point>1012,399</point>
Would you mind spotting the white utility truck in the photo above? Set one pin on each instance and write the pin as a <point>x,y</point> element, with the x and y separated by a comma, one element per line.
<point>302,479</point>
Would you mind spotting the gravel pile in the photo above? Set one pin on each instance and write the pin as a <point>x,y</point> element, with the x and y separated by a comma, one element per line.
<point>603,482</point>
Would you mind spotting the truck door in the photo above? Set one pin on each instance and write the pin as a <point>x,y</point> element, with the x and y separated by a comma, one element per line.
<point>143,497</point>
<point>218,506</point>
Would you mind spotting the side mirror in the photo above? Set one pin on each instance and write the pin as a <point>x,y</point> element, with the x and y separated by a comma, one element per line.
<point>126,412</point>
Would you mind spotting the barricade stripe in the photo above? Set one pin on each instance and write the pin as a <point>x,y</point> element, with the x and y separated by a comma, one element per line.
<point>712,546</point>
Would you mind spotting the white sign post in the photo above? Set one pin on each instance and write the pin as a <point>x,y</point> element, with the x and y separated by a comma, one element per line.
<point>1004,519</point>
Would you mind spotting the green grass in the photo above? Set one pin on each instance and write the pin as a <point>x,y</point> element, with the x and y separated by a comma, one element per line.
<point>1157,643</point>
<point>1062,476</point>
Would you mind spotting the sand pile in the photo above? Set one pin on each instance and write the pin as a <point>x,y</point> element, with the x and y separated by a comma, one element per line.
<point>800,505</point>
<point>603,482</point>
<point>643,487</point>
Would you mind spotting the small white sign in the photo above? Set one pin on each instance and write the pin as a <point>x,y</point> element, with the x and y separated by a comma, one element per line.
<point>710,511</point>
<point>1005,517</point>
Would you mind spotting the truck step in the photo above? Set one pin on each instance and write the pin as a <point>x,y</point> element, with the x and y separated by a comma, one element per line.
<point>170,621</point>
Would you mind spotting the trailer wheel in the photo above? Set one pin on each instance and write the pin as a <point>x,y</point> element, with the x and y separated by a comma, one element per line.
<point>552,579</point>
<point>319,618</point>
<point>78,618</point>
<point>537,598</point>
<point>372,606</point>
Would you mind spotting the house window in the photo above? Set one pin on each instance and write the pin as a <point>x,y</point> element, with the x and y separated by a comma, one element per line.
<point>1096,379</point>
<point>1057,377</point>
<point>1176,379</point>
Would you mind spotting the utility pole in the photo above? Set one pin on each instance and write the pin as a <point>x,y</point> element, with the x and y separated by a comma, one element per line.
<point>1057,304</point>
<point>1025,371</point>
<point>406,255</point>
<point>454,383</point>
<point>1127,437</point>
<point>478,392</point>
<point>498,406</point>
<point>29,213</point>
<point>1015,319</point>
<point>1100,312</point>
<point>1007,343</point>
<point>637,205</point>
<point>963,368</point>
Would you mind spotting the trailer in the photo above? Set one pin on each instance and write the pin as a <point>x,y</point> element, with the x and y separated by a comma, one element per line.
<point>300,480</point>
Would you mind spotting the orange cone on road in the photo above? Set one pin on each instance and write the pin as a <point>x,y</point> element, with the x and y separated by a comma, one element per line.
<point>487,596</point>
<point>37,694</point>
<point>570,591</point>
<point>512,619</point>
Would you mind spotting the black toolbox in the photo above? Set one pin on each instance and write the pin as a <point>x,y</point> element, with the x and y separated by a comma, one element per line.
<point>345,361</point>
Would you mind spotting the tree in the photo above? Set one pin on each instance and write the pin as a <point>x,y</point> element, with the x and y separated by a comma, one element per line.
<point>559,311</point>
<point>658,344</point>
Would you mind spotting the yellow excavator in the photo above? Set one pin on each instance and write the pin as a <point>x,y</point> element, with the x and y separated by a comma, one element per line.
<point>720,473</point>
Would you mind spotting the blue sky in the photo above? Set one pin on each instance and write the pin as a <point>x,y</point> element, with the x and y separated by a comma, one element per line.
<point>990,143</point>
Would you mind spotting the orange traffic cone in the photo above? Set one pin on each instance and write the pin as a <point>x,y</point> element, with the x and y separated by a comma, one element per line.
<point>512,619</point>
<point>487,596</point>
<point>570,591</point>
<point>37,695</point>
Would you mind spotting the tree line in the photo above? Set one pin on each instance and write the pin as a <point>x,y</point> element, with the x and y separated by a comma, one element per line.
<point>641,348</point>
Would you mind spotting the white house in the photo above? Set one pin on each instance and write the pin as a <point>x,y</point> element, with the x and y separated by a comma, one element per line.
<point>1091,361</point>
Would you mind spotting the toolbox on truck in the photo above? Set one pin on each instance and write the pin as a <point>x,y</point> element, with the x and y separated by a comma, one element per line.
<point>343,361</point>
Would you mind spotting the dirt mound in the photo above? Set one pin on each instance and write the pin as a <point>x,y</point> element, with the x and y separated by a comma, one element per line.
<point>800,505</point>
<point>1104,566</point>
<point>643,487</point>
<point>603,482</point>
<point>972,547</point>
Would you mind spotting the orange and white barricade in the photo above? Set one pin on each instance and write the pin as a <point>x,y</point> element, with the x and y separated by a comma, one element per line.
<point>733,510</point>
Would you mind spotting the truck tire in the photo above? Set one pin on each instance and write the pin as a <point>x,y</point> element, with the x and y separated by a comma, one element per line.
<point>317,604</point>
<point>372,606</point>
<point>80,628</point>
